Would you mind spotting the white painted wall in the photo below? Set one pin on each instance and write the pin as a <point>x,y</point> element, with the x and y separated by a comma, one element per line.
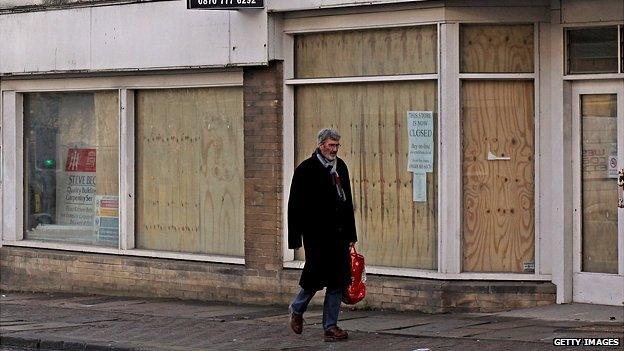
<point>586,11</point>
<point>11,4</point>
<point>295,5</point>
<point>137,36</point>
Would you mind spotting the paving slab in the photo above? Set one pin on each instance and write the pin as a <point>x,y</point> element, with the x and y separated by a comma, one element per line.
<point>468,332</point>
<point>529,333</point>
<point>570,312</point>
<point>441,326</point>
<point>35,326</point>
<point>509,324</point>
<point>374,324</point>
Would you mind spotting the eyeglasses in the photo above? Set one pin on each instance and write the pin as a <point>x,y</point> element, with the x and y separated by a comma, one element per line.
<point>332,146</point>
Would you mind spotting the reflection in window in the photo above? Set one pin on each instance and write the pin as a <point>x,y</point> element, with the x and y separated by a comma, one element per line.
<point>71,167</point>
<point>599,183</point>
<point>592,50</point>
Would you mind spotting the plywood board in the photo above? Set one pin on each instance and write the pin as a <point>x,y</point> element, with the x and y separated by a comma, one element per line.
<point>189,164</point>
<point>106,111</point>
<point>599,192</point>
<point>392,229</point>
<point>388,51</point>
<point>498,195</point>
<point>496,48</point>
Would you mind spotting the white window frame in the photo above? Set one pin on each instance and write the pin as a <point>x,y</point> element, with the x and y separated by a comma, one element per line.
<point>11,93</point>
<point>590,76</point>
<point>449,138</point>
<point>539,250</point>
<point>584,282</point>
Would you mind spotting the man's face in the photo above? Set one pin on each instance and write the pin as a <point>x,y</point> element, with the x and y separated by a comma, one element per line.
<point>329,149</point>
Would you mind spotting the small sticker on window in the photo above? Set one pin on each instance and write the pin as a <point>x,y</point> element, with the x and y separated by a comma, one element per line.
<point>528,267</point>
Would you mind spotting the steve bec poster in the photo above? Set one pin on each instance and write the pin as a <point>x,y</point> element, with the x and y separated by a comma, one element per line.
<point>76,188</point>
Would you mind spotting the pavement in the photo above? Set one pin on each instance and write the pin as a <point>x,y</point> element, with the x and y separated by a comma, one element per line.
<point>30,321</point>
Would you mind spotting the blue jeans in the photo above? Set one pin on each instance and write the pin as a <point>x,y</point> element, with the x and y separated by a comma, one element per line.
<point>331,305</point>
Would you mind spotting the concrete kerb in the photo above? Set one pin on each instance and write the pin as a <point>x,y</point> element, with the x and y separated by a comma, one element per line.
<point>50,344</point>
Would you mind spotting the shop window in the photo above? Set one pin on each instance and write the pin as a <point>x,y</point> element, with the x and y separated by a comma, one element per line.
<point>592,50</point>
<point>497,48</point>
<point>190,171</point>
<point>389,51</point>
<point>599,183</point>
<point>71,157</point>
<point>396,216</point>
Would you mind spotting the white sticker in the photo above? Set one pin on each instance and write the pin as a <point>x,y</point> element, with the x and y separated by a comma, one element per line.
<point>612,166</point>
<point>420,187</point>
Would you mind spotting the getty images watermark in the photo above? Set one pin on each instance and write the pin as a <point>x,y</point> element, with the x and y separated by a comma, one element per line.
<point>587,342</point>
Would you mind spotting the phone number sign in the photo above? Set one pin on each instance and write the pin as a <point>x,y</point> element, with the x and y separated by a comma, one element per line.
<point>224,4</point>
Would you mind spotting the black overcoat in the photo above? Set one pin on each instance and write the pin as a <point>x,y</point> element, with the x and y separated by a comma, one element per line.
<point>324,221</point>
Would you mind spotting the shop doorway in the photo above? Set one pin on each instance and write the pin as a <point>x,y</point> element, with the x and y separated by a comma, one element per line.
<point>598,155</point>
<point>498,230</point>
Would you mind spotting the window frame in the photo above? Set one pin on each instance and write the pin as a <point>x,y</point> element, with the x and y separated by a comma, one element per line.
<point>582,76</point>
<point>25,162</point>
<point>537,194</point>
<point>12,185</point>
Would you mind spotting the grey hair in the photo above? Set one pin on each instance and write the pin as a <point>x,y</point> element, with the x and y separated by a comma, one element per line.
<point>327,133</point>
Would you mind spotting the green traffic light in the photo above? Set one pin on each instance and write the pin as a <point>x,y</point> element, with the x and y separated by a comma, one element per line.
<point>49,163</point>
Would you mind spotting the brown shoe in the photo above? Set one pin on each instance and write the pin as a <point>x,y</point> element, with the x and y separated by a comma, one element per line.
<point>335,334</point>
<point>296,322</point>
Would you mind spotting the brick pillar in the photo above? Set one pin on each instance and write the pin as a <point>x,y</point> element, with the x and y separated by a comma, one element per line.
<point>262,95</point>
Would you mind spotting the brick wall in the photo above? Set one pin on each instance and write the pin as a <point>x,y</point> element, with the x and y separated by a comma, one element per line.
<point>42,270</point>
<point>262,279</point>
<point>262,96</point>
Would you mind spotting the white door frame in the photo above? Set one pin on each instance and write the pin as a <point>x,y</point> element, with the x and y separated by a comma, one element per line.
<point>598,288</point>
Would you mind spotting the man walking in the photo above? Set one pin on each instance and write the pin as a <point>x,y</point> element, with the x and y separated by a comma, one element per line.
<point>320,210</point>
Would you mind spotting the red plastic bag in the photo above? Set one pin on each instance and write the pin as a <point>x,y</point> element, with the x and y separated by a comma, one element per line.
<point>356,291</point>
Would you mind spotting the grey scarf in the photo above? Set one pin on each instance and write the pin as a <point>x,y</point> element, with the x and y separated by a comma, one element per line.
<point>335,177</point>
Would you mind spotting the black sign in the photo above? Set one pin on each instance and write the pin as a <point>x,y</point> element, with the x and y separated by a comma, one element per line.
<point>224,4</point>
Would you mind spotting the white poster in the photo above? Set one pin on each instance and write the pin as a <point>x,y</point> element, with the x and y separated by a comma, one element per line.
<point>76,188</point>
<point>420,151</point>
<point>420,187</point>
<point>420,139</point>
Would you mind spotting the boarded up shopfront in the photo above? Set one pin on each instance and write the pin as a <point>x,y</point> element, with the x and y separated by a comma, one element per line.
<point>393,230</point>
<point>498,227</point>
<point>199,147</point>
<point>189,163</point>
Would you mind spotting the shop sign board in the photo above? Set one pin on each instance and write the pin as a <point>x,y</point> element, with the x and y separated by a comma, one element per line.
<point>224,4</point>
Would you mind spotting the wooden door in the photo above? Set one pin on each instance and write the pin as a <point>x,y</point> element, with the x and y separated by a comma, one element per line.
<point>498,176</point>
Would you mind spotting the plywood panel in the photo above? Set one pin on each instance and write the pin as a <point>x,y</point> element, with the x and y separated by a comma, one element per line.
<point>190,170</point>
<point>496,49</point>
<point>106,110</point>
<point>599,191</point>
<point>392,229</point>
<point>386,51</point>
<point>498,195</point>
